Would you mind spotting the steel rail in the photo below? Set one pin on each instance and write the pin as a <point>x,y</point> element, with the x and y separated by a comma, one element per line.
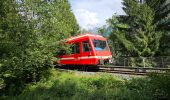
<point>132,70</point>
<point>121,70</point>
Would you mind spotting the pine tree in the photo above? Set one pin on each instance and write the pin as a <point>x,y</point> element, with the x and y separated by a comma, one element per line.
<point>139,38</point>
<point>161,10</point>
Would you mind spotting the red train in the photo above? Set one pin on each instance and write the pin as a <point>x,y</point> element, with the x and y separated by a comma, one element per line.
<point>87,49</point>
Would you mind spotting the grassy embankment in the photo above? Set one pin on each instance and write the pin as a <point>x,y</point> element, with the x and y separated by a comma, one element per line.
<point>71,86</point>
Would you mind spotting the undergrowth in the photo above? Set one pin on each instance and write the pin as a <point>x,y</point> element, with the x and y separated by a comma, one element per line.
<point>72,86</point>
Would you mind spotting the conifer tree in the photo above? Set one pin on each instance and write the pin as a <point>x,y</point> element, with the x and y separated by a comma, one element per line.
<point>141,38</point>
<point>161,10</point>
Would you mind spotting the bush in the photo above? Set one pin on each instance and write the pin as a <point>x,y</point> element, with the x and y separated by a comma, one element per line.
<point>70,86</point>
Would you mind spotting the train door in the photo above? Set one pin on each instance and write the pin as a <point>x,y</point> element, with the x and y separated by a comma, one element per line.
<point>86,52</point>
<point>75,53</point>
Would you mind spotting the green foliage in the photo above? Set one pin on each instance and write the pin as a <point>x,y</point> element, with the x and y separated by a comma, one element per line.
<point>142,30</point>
<point>136,34</point>
<point>161,10</point>
<point>155,86</point>
<point>29,35</point>
<point>140,33</point>
<point>164,49</point>
<point>70,85</point>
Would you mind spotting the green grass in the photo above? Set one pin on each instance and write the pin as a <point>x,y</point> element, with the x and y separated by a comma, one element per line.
<point>72,86</point>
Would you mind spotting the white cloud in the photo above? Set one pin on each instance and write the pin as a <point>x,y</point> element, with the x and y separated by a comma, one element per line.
<point>93,13</point>
<point>86,18</point>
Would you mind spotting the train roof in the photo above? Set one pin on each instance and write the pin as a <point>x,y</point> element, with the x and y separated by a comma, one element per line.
<point>84,36</point>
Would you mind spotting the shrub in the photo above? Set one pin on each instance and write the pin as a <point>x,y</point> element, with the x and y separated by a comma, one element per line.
<point>71,86</point>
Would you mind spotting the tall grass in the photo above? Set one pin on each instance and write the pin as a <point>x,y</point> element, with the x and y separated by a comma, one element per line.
<point>72,86</point>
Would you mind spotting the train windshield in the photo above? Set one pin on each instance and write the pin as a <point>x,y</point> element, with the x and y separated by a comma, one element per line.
<point>100,45</point>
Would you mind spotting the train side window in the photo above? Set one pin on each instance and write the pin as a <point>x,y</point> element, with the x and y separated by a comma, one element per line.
<point>75,48</point>
<point>86,46</point>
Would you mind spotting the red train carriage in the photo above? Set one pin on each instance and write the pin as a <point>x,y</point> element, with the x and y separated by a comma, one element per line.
<point>87,49</point>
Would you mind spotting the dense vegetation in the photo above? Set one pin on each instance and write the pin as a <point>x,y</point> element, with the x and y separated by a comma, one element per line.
<point>142,33</point>
<point>73,86</point>
<point>29,35</point>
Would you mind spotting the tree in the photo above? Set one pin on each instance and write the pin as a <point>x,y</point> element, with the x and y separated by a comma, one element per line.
<point>136,34</point>
<point>30,32</point>
<point>161,10</point>
<point>15,35</point>
<point>141,30</point>
<point>114,29</point>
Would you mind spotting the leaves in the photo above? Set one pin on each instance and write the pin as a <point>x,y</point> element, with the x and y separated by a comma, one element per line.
<point>140,38</point>
<point>30,31</point>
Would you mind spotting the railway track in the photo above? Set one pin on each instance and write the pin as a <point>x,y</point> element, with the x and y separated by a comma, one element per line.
<point>133,70</point>
<point>118,70</point>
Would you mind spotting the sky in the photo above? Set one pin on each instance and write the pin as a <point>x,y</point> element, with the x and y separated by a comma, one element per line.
<point>93,13</point>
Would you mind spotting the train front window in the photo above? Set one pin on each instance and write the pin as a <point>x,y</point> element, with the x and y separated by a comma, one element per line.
<point>100,45</point>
